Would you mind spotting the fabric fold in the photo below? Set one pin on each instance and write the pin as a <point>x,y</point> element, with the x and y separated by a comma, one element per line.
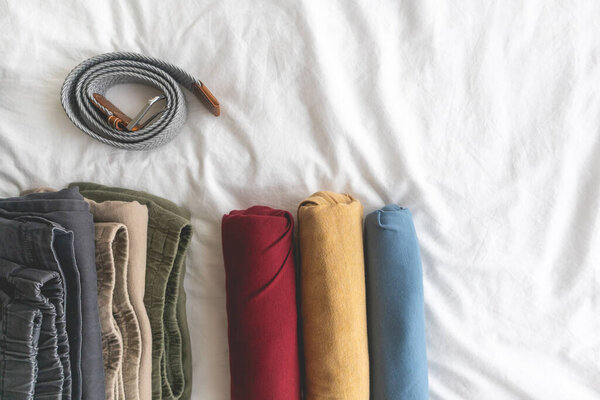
<point>131,312</point>
<point>111,255</point>
<point>395,304</point>
<point>261,304</point>
<point>19,340</point>
<point>169,235</point>
<point>43,290</point>
<point>37,265</point>
<point>332,292</point>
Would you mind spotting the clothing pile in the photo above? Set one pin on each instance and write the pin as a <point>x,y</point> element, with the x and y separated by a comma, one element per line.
<point>92,304</point>
<point>91,295</point>
<point>359,302</point>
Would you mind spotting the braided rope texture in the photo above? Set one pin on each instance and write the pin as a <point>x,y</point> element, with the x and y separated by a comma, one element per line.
<point>100,73</point>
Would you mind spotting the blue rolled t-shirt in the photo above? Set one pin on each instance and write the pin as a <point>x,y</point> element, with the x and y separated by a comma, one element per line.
<point>395,306</point>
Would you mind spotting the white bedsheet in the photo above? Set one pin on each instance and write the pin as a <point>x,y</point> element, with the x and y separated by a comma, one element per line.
<point>482,117</point>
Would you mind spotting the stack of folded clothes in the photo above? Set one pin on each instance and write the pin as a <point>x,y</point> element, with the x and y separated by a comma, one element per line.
<point>92,304</point>
<point>91,295</point>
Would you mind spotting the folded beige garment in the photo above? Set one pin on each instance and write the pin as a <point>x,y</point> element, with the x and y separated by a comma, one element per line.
<point>137,366</point>
<point>111,257</point>
<point>333,303</point>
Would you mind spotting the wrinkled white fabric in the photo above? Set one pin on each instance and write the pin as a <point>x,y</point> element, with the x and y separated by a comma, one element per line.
<point>482,117</point>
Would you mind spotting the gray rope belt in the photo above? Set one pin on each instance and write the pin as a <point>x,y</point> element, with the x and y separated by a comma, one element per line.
<point>84,101</point>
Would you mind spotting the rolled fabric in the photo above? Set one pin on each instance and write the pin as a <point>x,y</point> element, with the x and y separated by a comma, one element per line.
<point>261,304</point>
<point>67,209</point>
<point>37,262</point>
<point>169,235</point>
<point>334,318</point>
<point>19,341</point>
<point>137,357</point>
<point>396,317</point>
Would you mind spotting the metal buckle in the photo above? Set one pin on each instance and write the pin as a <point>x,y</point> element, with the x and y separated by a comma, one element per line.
<point>133,124</point>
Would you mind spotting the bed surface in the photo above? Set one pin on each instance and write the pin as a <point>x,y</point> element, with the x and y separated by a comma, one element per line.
<point>482,117</point>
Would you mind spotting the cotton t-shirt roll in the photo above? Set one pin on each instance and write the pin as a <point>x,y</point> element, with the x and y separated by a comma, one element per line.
<point>395,306</point>
<point>261,304</point>
<point>333,301</point>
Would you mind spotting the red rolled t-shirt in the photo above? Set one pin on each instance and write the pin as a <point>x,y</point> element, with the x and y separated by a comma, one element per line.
<point>261,304</point>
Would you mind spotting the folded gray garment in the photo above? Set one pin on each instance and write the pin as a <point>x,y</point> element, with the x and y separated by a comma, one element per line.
<point>43,290</point>
<point>38,244</point>
<point>68,209</point>
<point>19,339</point>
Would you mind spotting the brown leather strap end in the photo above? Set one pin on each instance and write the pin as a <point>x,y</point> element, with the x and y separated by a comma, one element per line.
<point>207,98</point>
<point>118,119</point>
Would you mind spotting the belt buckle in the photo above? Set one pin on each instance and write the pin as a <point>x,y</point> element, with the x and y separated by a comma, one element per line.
<point>119,120</point>
<point>134,122</point>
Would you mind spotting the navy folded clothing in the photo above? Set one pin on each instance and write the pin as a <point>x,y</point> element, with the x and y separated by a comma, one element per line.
<point>395,306</point>
<point>66,210</point>
<point>34,242</point>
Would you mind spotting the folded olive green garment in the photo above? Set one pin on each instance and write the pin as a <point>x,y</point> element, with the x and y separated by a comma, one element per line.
<point>333,303</point>
<point>169,234</point>
<point>137,356</point>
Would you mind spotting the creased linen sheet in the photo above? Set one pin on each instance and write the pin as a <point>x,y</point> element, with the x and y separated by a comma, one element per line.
<point>481,117</point>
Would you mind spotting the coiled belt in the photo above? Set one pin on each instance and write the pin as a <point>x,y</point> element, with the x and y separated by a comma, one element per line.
<point>83,92</point>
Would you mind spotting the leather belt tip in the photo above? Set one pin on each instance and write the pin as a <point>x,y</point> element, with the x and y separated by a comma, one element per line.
<point>207,98</point>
